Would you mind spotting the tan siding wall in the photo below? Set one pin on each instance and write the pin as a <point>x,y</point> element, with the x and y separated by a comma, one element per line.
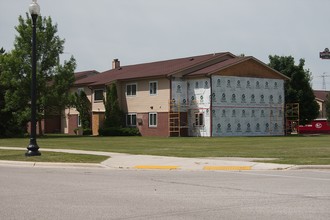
<point>143,101</point>
<point>98,106</point>
<point>322,111</point>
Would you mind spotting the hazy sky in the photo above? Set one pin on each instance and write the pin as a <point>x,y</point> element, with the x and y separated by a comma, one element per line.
<point>138,31</point>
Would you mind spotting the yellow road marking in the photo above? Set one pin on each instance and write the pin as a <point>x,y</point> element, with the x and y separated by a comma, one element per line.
<point>155,167</point>
<point>227,168</point>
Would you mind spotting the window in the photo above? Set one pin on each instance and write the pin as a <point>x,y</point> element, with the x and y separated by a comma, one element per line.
<point>79,121</point>
<point>152,119</point>
<point>131,89</point>
<point>199,119</point>
<point>153,88</point>
<point>131,119</point>
<point>98,95</point>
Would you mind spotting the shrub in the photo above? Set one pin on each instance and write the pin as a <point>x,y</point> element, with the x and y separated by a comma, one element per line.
<point>114,131</point>
<point>87,131</point>
<point>76,131</point>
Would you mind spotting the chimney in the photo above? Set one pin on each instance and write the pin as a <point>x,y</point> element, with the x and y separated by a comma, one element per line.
<point>115,64</point>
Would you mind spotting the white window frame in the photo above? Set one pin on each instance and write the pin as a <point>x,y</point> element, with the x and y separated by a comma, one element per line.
<point>131,84</point>
<point>98,100</point>
<point>153,121</point>
<point>79,121</point>
<point>151,88</point>
<point>130,120</point>
<point>199,119</point>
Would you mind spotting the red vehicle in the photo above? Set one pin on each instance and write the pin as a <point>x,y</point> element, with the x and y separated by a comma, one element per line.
<point>318,126</point>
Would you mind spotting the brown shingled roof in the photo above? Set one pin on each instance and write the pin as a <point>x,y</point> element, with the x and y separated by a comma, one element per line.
<point>154,69</point>
<point>321,94</point>
<point>84,74</point>
<point>218,66</point>
<point>198,65</point>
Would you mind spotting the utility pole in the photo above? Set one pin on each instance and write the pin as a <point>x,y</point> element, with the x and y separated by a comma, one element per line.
<point>324,87</point>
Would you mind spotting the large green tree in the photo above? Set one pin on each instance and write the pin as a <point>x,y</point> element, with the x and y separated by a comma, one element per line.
<point>298,89</point>
<point>8,127</point>
<point>84,107</point>
<point>327,106</point>
<point>113,114</point>
<point>53,79</point>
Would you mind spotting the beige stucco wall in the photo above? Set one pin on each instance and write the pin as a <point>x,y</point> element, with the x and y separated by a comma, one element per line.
<point>322,110</point>
<point>143,101</point>
<point>98,106</point>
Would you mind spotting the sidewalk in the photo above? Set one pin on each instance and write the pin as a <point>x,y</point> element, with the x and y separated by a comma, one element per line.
<point>146,162</point>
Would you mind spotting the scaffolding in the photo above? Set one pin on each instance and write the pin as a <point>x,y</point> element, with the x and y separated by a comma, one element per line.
<point>292,118</point>
<point>174,124</point>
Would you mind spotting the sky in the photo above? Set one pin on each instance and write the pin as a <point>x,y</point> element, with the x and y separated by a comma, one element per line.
<point>140,31</point>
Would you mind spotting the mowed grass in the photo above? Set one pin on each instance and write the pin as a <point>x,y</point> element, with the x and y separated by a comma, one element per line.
<point>287,149</point>
<point>18,155</point>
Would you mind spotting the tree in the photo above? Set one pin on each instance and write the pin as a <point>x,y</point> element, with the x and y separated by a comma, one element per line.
<point>113,114</point>
<point>298,89</point>
<point>327,106</point>
<point>53,79</point>
<point>83,106</point>
<point>8,124</point>
<point>59,96</point>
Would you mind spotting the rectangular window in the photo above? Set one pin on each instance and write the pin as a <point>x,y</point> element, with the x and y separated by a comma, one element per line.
<point>152,119</point>
<point>131,119</point>
<point>79,121</point>
<point>199,119</point>
<point>153,88</point>
<point>98,95</point>
<point>131,89</point>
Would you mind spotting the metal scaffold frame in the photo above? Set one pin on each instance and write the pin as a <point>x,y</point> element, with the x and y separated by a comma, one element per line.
<point>292,118</point>
<point>174,124</point>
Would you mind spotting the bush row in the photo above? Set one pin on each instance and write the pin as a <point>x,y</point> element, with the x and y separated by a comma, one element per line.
<point>81,131</point>
<point>119,131</point>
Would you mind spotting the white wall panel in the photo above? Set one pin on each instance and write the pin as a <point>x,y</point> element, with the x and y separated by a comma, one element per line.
<point>241,106</point>
<point>179,93</point>
<point>199,102</point>
<point>247,106</point>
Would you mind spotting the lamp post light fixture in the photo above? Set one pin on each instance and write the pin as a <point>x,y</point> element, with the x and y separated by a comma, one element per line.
<point>33,148</point>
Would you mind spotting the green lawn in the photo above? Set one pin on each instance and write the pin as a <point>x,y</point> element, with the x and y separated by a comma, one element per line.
<point>18,155</point>
<point>288,149</point>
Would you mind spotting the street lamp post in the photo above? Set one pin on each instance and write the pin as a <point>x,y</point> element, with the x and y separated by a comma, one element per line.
<point>33,148</point>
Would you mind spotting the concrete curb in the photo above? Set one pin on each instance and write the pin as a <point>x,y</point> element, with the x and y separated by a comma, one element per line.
<point>149,162</point>
<point>50,165</point>
<point>310,167</point>
<point>160,167</point>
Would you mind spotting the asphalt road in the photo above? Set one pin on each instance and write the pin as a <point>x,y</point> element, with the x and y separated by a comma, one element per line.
<point>54,193</point>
